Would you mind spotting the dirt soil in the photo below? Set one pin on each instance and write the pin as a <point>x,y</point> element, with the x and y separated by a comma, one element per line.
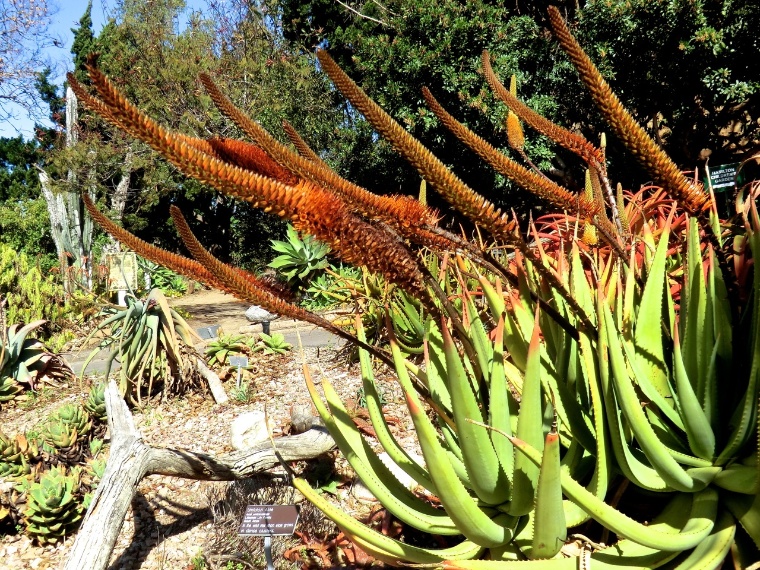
<point>213,307</point>
<point>172,520</point>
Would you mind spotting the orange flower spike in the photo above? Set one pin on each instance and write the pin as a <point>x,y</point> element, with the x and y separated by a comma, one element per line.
<point>318,172</point>
<point>571,141</point>
<point>242,286</point>
<point>251,157</point>
<point>553,193</point>
<point>431,168</point>
<point>635,138</point>
<point>301,146</point>
<point>176,263</point>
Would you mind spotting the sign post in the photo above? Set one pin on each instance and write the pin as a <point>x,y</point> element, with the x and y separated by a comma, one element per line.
<point>722,180</point>
<point>240,362</point>
<point>269,521</point>
<point>207,333</point>
<point>122,274</point>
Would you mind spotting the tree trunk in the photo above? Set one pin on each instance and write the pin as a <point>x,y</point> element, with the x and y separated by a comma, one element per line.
<point>130,460</point>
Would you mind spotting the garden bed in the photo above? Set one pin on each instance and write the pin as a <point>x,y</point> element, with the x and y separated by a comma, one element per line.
<point>173,520</point>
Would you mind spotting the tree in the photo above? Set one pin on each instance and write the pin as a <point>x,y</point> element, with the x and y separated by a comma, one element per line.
<point>23,217</point>
<point>157,61</point>
<point>393,48</point>
<point>24,36</point>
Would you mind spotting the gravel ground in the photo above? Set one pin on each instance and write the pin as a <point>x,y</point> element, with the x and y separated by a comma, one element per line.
<point>172,520</point>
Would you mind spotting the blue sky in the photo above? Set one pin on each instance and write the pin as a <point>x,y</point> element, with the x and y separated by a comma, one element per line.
<point>67,15</point>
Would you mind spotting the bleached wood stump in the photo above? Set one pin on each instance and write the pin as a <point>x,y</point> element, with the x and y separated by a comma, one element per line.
<point>130,460</point>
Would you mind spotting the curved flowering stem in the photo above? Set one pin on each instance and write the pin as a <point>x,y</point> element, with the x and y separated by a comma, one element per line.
<point>635,138</point>
<point>456,192</point>
<point>397,211</point>
<point>574,142</point>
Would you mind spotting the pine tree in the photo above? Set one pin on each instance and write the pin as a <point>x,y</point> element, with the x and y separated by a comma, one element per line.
<point>84,43</point>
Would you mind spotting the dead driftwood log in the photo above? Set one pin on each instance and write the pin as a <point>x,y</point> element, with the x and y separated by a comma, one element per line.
<point>130,460</point>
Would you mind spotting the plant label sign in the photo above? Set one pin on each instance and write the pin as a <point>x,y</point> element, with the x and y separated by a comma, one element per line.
<point>724,177</point>
<point>122,271</point>
<point>239,361</point>
<point>208,332</point>
<point>269,520</point>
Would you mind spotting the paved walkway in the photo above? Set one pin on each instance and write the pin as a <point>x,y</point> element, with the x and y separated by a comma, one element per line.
<point>310,335</point>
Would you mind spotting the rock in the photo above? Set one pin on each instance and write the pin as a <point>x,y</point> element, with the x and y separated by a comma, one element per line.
<point>303,419</point>
<point>248,429</point>
<point>257,314</point>
<point>361,493</point>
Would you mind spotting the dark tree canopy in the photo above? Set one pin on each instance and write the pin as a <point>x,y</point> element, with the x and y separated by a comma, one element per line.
<point>679,66</point>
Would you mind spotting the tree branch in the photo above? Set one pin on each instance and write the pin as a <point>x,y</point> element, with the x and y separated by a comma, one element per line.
<point>131,460</point>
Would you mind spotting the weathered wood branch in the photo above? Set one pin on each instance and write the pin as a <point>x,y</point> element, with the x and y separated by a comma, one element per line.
<point>214,383</point>
<point>131,460</point>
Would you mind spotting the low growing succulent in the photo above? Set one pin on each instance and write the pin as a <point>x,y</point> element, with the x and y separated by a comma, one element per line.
<point>272,343</point>
<point>27,361</point>
<point>59,435</point>
<point>16,456</point>
<point>73,415</point>
<point>9,389</point>
<point>225,345</point>
<point>54,509</point>
<point>95,405</point>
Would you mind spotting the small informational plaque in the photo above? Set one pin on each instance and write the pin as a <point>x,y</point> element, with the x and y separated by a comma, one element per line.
<point>724,177</point>
<point>269,520</point>
<point>239,361</point>
<point>122,271</point>
<point>208,332</point>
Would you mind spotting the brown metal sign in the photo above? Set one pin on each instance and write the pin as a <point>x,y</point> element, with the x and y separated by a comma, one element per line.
<point>269,520</point>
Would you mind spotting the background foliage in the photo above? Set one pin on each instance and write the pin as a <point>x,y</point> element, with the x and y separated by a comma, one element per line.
<point>261,54</point>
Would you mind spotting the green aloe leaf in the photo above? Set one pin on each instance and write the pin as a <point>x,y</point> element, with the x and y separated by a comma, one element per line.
<point>650,352</point>
<point>485,473</point>
<point>529,429</point>
<point>698,429</point>
<point>550,530</point>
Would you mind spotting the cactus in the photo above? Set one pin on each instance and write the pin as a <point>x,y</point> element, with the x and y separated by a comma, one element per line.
<point>53,508</point>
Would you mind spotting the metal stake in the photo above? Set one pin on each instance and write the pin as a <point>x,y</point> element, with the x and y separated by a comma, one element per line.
<point>268,551</point>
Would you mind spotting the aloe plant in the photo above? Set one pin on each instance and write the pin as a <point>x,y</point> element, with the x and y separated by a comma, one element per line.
<point>546,375</point>
<point>301,258</point>
<point>148,338</point>
<point>220,348</point>
<point>26,362</point>
<point>272,343</point>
